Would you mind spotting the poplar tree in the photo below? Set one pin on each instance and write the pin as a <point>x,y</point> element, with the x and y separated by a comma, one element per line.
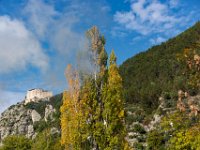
<point>94,102</point>
<point>90,111</point>
<point>92,114</point>
<point>71,112</point>
<point>113,113</point>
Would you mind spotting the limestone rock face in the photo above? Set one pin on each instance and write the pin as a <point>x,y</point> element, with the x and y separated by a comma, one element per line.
<point>49,111</point>
<point>20,119</point>
<point>15,120</point>
<point>30,131</point>
<point>35,116</point>
<point>156,120</point>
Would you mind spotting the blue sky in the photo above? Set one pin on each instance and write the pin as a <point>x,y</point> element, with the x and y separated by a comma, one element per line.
<point>38,38</point>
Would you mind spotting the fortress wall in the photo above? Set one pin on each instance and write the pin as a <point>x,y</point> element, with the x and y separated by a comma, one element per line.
<point>36,94</point>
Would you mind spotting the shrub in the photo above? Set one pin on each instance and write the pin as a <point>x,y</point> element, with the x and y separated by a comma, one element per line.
<point>130,119</point>
<point>16,143</point>
<point>39,126</point>
<point>138,128</point>
<point>138,146</point>
<point>155,140</point>
<point>45,141</point>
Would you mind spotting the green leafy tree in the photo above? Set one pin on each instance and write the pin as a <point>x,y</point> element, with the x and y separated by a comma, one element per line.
<point>92,117</point>
<point>94,102</point>
<point>16,143</point>
<point>177,131</point>
<point>90,111</point>
<point>113,113</point>
<point>46,141</point>
<point>186,139</point>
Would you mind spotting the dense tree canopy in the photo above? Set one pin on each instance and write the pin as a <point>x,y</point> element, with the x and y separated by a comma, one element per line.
<point>149,74</point>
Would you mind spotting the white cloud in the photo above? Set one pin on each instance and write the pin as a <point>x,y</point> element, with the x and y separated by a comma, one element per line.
<point>18,47</point>
<point>63,29</point>
<point>40,16</point>
<point>53,27</point>
<point>59,28</point>
<point>148,17</point>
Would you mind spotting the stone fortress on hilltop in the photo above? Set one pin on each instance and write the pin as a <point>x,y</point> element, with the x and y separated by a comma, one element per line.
<point>35,95</point>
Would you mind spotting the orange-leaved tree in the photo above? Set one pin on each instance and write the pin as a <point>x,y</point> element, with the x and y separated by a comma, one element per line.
<point>71,112</point>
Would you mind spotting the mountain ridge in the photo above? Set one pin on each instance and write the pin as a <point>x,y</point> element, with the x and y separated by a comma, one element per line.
<point>156,67</point>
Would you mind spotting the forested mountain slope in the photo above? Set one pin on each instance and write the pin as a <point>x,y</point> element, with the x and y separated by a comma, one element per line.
<point>156,72</point>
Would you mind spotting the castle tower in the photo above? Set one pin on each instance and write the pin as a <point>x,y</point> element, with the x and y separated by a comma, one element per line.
<point>35,95</point>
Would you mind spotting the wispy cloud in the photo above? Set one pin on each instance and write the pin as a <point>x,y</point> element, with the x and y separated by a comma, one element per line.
<point>40,16</point>
<point>147,17</point>
<point>51,26</point>
<point>63,31</point>
<point>18,47</point>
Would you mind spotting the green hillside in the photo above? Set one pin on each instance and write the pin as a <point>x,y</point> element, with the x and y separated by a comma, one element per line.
<point>157,71</point>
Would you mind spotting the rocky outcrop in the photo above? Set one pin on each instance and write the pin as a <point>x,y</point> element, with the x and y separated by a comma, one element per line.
<point>35,116</point>
<point>49,111</point>
<point>20,120</point>
<point>15,120</point>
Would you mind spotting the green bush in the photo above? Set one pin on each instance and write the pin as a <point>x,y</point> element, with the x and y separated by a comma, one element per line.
<point>16,143</point>
<point>141,138</point>
<point>39,126</point>
<point>155,140</point>
<point>130,119</point>
<point>138,146</point>
<point>138,128</point>
<point>45,141</point>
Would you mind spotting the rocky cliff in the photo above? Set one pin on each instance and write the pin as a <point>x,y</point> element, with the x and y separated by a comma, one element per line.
<point>29,119</point>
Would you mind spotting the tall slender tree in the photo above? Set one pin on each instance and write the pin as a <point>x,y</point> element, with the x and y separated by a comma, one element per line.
<point>113,113</point>
<point>92,114</point>
<point>71,112</point>
<point>98,58</point>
